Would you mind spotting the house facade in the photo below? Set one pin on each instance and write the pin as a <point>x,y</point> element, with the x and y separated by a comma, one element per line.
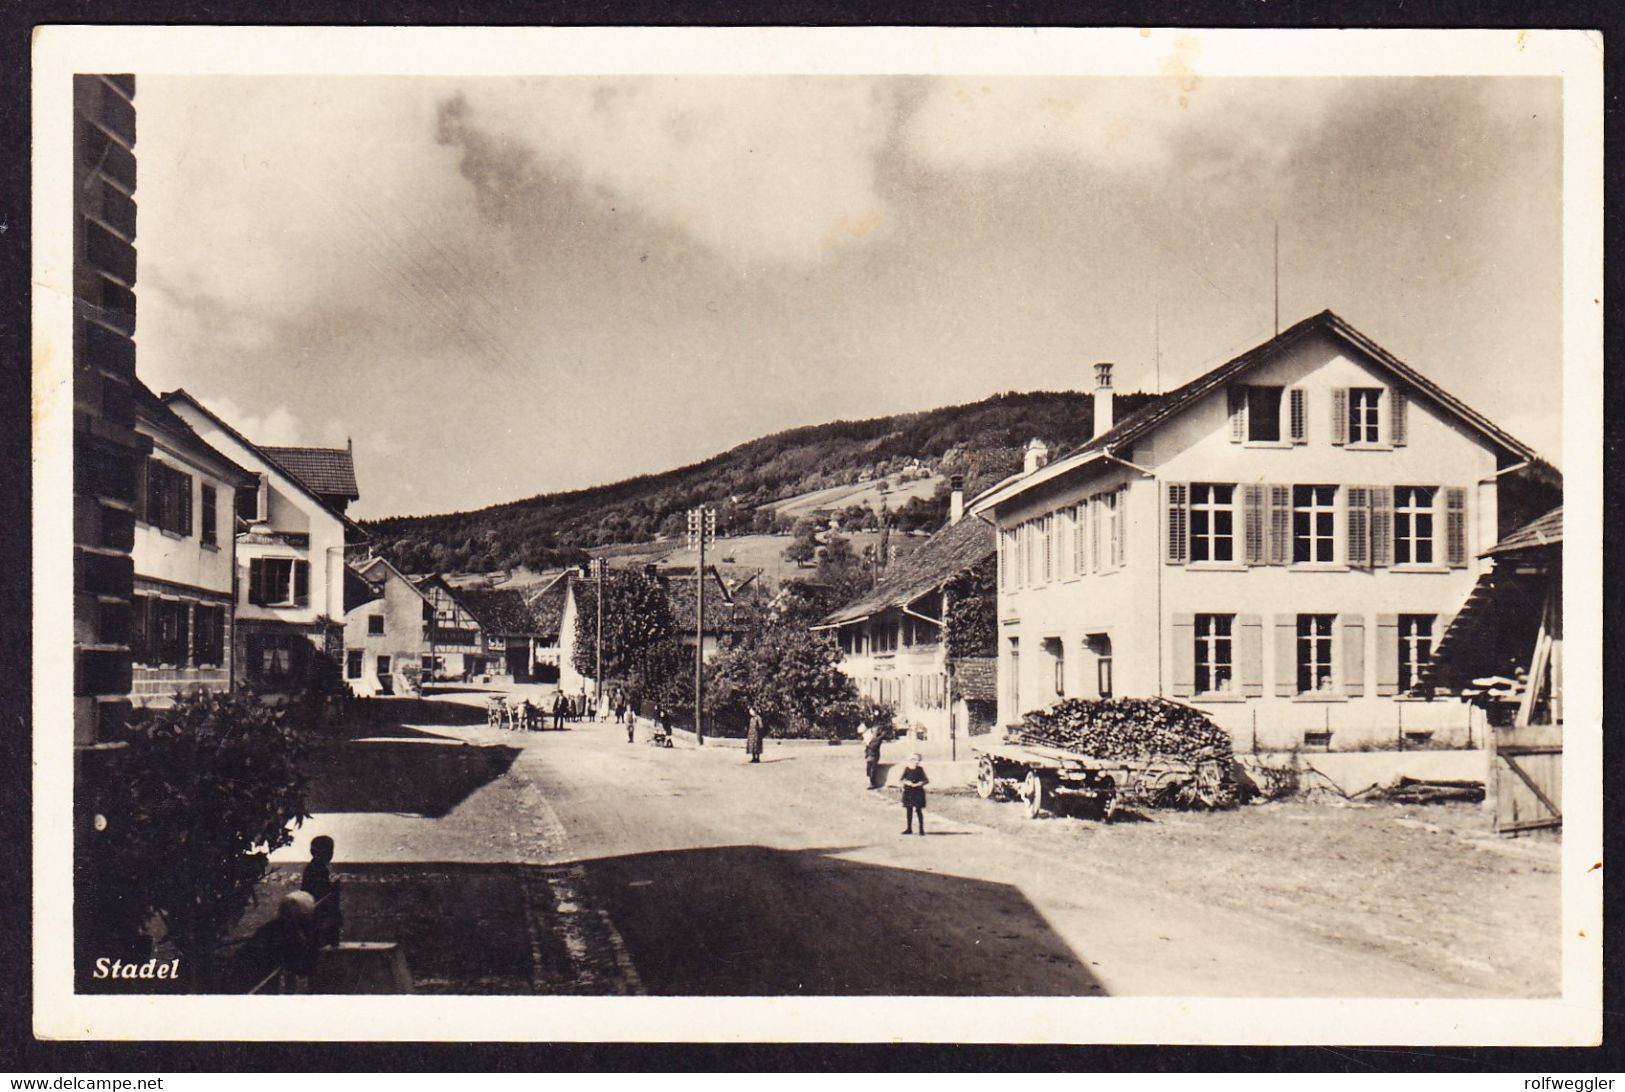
<point>183,558</point>
<point>898,647</point>
<point>1281,543</point>
<point>386,630</point>
<point>291,544</point>
<point>456,643</point>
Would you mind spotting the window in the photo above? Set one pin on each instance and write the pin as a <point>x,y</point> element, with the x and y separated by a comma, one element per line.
<point>169,498</point>
<point>1264,413</point>
<point>1215,663</point>
<point>1415,648</point>
<point>208,644</point>
<point>375,625</point>
<point>352,663</point>
<point>1057,654</point>
<point>883,638</point>
<point>1014,677</point>
<point>1112,507</point>
<point>1413,524</point>
<point>248,502</point>
<point>1315,653</point>
<point>1314,515</point>
<point>384,665</point>
<point>271,656</point>
<point>1212,522</point>
<point>211,518</point>
<point>1080,537</point>
<point>173,632</point>
<point>1100,645</point>
<point>278,582</point>
<point>1365,409</point>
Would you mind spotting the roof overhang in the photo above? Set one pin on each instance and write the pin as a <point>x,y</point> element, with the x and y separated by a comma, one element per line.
<point>1011,488</point>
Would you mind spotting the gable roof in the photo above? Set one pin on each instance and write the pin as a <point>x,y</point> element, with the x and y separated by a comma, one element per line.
<point>499,610</point>
<point>1545,532</point>
<point>327,470</point>
<point>151,408</point>
<point>366,566</point>
<point>547,607</point>
<point>944,556</point>
<point>1152,416</point>
<point>353,529</point>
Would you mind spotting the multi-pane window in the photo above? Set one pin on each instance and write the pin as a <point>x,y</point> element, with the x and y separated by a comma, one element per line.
<point>1315,652</point>
<point>352,663</point>
<point>1112,509</point>
<point>1365,409</point>
<point>248,502</point>
<point>1212,522</point>
<point>1215,663</point>
<point>208,643</point>
<point>211,517</point>
<point>1264,413</point>
<point>1415,648</point>
<point>1314,519</point>
<point>375,624</point>
<point>1413,524</point>
<point>278,581</point>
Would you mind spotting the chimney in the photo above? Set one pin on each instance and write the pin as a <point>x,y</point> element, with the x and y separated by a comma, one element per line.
<point>1037,455</point>
<point>1103,397</point>
<point>956,499</point>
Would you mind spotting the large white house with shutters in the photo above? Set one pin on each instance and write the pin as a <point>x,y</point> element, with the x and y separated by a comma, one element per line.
<point>1279,542</point>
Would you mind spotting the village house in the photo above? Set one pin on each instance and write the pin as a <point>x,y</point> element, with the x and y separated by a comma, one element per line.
<point>386,629</point>
<point>456,643</point>
<point>899,643</point>
<point>183,554</point>
<point>510,630</point>
<point>1280,542</point>
<point>291,544</point>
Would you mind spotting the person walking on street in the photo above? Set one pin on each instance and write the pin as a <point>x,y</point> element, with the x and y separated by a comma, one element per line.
<point>559,707</point>
<point>871,755</point>
<point>753,736</point>
<point>914,783</point>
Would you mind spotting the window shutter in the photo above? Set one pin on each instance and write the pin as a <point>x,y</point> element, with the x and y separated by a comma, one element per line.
<point>1178,524</point>
<point>1441,626</point>
<point>1252,497</point>
<point>1340,415</point>
<point>1250,654</point>
<point>301,583</point>
<point>256,581</point>
<point>155,492</point>
<point>142,484</point>
<point>1184,655</point>
<point>1387,655</point>
<point>1280,524</point>
<point>1398,403</point>
<point>1286,655</point>
<point>1080,536</point>
<point>1298,415</point>
<point>1359,527</point>
<point>1382,525</point>
<point>1122,527</point>
<point>1455,527</point>
<point>183,485</point>
<point>1353,654</point>
<point>1238,413</point>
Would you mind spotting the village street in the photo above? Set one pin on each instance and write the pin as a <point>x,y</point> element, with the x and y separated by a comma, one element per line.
<point>574,862</point>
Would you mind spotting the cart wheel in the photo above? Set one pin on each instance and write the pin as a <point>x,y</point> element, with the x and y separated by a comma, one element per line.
<point>986,780</point>
<point>1210,784</point>
<point>1035,793</point>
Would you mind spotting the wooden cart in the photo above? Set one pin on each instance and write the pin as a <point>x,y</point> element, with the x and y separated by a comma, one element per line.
<point>1068,783</point>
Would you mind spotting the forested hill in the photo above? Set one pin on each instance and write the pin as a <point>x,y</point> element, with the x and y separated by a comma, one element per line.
<point>983,440</point>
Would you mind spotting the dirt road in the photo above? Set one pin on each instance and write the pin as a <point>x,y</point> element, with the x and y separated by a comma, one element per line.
<point>576,862</point>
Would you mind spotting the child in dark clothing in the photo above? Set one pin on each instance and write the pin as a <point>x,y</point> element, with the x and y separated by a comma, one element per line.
<point>322,887</point>
<point>914,783</point>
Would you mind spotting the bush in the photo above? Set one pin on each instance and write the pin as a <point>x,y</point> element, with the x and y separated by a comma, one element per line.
<point>209,788</point>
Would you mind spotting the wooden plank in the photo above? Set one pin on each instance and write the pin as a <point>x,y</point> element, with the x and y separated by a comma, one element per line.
<point>1557,812</point>
<point>1528,824</point>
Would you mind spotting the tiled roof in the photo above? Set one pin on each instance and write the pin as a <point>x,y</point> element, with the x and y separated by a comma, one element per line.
<point>944,556</point>
<point>358,589</point>
<point>1151,416</point>
<point>499,610</point>
<point>1543,532</point>
<point>152,409</point>
<point>680,593</point>
<point>547,609</point>
<point>326,470</point>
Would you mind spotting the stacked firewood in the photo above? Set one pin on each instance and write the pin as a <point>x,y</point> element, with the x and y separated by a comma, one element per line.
<point>1127,729</point>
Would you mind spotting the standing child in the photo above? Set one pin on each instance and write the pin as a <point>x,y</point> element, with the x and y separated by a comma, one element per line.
<point>319,883</point>
<point>914,783</point>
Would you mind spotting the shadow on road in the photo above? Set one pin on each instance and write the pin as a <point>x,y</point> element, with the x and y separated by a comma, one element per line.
<point>401,776</point>
<point>750,920</point>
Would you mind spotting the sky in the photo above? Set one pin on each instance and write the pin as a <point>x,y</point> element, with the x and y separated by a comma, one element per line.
<point>502,287</point>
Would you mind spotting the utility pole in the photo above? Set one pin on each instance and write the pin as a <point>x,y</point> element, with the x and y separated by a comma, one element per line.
<point>598,675</point>
<point>702,528</point>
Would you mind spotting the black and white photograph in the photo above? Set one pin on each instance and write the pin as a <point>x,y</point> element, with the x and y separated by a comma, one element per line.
<point>870,535</point>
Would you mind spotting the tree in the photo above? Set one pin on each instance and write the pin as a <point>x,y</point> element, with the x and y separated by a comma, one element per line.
<point>791,676</point>
<point>637,618</point>
<point>805,546</point>
<point>208,788</point>
<point>842,570</point>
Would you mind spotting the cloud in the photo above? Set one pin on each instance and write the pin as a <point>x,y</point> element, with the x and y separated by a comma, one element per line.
<point>276,427</point>
<point>1114,126</point>
<point>778,171</point>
